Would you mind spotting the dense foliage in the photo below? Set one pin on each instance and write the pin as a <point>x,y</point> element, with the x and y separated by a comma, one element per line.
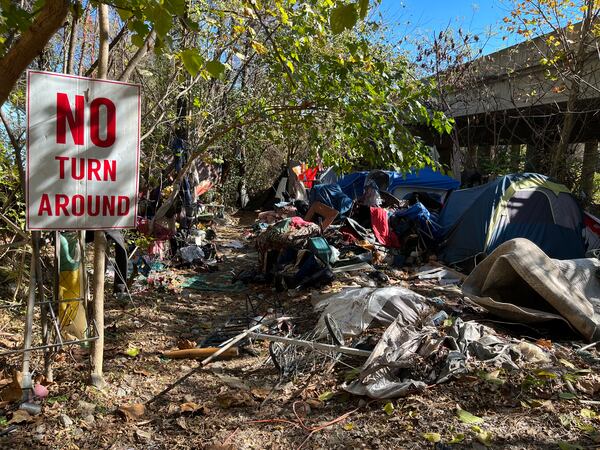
<point>253,84</point>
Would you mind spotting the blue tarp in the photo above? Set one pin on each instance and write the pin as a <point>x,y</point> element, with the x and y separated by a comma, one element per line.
<point>332,196</point>
<point>425,221</point>
<point>353,184</point>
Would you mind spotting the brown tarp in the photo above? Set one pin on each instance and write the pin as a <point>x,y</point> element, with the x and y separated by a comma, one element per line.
<point>519,282</point>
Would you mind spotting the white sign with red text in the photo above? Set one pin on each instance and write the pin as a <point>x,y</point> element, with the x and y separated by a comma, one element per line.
<point>83,153</point>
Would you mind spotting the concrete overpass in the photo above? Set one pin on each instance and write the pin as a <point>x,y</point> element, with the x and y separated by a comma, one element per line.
<point>509,98</point>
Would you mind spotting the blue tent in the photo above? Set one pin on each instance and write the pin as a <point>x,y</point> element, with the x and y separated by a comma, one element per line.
<point>331,195</point>
<point>475,221</point>
<point>424,179</point>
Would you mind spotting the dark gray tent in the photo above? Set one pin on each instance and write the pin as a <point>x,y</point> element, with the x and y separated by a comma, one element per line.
<point>476,221</point>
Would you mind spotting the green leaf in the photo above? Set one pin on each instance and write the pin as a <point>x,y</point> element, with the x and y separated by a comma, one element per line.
<point>457,439</point>
<point>57,399</point>
<point>586,427</point>
<point>326,396</point>
<point>124,14</point>
<point>351,375</point>
<point>545,374</point>
<point>137,40</point>
<point>176,7</point>
<point>467,417</point>
<point>389,408</point>
<point>572,377</point>
<point>568,364</point>
<point>432,437</point>
<point>567,396</point>
<point>3,421</point>
<point>215,68</point>
<point>259,47</point>
<point>349,426</point>
<point>363,8</point>
<point>565,420</point>
<point>192,61</point>
<point>285,18</point>
<point>163,21</point>
<point>290,66</point>
<point>132,351</point>
<point>485,437</point>
<point>343,17</point>
<point>588,413</point>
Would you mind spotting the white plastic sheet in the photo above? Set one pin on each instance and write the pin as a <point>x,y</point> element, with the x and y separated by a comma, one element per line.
<point>355,308</point>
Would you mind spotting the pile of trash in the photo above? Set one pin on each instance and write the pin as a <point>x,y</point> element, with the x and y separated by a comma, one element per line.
<point>169,253</point>
<point>382,245</point>
<point>402,342</point>
<point>405,275</point>
<point>306,241</point>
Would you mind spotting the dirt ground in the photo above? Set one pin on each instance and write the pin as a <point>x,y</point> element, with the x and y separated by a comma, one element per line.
<point>241,403</point>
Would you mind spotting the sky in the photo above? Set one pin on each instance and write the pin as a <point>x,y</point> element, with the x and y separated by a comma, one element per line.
<point>415,18</point>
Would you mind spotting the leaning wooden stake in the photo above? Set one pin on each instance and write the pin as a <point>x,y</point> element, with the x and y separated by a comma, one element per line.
<point>97,377</point>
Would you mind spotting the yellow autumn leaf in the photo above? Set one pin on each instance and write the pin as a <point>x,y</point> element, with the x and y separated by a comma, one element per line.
<point>259,48</point>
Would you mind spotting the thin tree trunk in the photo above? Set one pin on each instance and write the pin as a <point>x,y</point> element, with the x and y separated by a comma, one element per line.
<point>588,170</point>
<point>104,29</point>
<point>558,167</point>
<point>84,22</point>
<point>139,55</point>
<point>97,356</point>
<point>72,40</point>
<point>559,156</point>
<point>30,44</point>
<point>114,42</point>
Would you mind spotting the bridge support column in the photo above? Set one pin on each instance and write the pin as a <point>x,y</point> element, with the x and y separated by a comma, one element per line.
<point>532,158</point>
<point>588,170</point>
<point>515,157</point>
<point>484,157</point>
<point>470,159</point>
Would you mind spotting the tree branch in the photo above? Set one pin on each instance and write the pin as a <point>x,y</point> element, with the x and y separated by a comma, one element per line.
<point>17,148</point>
<point>31,43</point>
<point>139,55</point>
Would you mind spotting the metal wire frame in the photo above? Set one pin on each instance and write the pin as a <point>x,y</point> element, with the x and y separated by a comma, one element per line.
<point>294,360</point>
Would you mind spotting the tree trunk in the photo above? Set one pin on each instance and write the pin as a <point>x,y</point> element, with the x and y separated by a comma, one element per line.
<point>30,44</point>
<point>588,170</point>
<point>558,162</point>
<point>114,42</point>
<point>84,22</point>
<point>97,356</point>
<point>558,166</point>
<point>72,41</point>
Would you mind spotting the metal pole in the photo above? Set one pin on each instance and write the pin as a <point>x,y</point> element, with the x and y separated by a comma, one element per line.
<point>204,362</point>
<point>43,312</point>
<point>313,345</point>
<point>49,346</point>
<point>26,384</point>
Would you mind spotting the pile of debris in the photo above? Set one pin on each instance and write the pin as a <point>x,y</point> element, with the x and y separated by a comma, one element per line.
<point>375,246</point>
